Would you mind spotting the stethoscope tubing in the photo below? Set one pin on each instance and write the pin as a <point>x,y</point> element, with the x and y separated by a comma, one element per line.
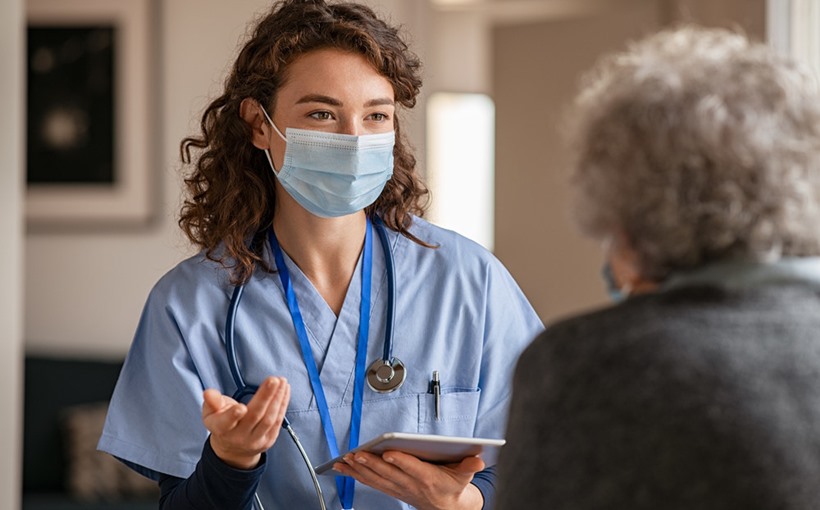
<point>391,291</point>
<point>244,390</point>
<point>230,324</point>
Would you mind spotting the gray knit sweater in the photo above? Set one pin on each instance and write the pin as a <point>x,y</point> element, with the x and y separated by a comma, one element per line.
<point>696,398</point>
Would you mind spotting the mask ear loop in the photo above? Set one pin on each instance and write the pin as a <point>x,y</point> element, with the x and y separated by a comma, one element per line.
<point>267,151</point>
<point>625,289</point>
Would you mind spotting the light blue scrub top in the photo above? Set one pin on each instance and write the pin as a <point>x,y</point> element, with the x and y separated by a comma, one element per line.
<point>458,311</point>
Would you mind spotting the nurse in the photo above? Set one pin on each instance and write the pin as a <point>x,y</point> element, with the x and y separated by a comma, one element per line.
<point>299,168</point>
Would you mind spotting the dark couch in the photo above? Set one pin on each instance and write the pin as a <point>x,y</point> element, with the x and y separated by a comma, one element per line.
<point>53,386</point>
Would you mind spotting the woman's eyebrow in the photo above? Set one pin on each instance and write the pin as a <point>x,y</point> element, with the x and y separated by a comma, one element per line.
<point>382,101</point>
<point>318,98</point>
<point>332,101</point>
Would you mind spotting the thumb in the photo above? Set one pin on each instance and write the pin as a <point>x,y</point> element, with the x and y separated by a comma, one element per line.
<point>469,465</point>
<point>213,401</point>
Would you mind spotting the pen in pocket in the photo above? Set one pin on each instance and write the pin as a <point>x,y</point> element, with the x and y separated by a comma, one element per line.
<point>435,389</point>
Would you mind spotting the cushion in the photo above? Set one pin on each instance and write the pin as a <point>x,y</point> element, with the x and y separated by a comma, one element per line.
<point>51,385</point>
<point>93,475</point>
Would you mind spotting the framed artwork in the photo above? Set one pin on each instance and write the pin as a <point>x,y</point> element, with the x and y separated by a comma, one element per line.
<point>88,115</point>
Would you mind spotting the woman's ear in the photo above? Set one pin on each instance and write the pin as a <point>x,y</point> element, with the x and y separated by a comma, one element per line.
<point>251,112</point>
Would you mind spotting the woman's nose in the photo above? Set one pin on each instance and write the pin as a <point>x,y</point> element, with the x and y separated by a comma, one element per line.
<point>350,127</point>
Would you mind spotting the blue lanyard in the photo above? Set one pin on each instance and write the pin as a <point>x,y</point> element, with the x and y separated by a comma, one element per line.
<point>344,484</point>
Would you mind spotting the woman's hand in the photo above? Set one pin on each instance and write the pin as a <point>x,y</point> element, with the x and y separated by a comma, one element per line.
<point>241,433</point>
<point>421,484</point>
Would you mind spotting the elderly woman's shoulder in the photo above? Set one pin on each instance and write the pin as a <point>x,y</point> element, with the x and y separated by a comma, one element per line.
<point>697,323</point>
<point>655,318</point>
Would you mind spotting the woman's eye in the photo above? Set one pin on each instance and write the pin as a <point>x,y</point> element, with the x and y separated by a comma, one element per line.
<point>379,117</point>
<point>321,115</point>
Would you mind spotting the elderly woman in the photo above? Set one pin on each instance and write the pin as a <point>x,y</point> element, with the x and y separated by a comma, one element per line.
<point>698,167</point>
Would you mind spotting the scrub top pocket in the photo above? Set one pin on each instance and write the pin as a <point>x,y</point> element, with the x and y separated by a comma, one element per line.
<point>458,412</point>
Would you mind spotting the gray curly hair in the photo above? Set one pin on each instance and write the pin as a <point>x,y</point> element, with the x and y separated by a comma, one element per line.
<point>699,146</point>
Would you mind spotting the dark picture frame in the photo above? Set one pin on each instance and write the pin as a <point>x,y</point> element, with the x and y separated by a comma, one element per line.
<point>88,113</point>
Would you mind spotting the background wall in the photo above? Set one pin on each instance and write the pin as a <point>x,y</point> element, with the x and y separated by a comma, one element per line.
<point>11,233</point>
<point>85,289</point>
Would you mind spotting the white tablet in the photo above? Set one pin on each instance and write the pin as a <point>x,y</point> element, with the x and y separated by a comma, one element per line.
<point>430,448</point>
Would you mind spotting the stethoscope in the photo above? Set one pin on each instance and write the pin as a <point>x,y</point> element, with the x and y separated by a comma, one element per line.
<point>383,375</point>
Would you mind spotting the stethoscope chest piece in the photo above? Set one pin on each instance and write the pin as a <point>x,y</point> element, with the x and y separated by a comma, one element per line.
<point>385,376</point>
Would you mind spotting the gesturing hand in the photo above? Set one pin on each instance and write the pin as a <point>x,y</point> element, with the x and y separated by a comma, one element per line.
<point>241,433</point>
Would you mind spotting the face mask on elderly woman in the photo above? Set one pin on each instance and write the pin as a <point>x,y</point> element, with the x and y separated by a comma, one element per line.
<point>616,293</point>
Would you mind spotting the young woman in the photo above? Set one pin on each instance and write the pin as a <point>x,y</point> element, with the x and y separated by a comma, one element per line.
<point>320,298</point>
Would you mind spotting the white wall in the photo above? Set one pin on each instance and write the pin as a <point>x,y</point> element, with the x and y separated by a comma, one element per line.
<point>11,234</point>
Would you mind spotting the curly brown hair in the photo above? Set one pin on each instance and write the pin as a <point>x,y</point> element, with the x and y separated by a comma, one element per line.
<point>230,189</point>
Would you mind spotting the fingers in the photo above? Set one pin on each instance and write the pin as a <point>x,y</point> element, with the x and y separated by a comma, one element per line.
<point>270,423</point>
<point>267,408</point>
<point>418,469</point>
<point>373,471</point>
<point>409,466</point>
<point>403,467</point>
<point>258,429</point>
<point>220,413</point>
<point>282,405</point>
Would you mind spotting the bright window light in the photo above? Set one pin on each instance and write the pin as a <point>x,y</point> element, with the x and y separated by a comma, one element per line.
<point>460,164</point>
<point>791,27</point>
<point>805,36</point>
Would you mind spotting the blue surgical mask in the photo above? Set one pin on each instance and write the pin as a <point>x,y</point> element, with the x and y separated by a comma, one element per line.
<point>332,174</point>
<point>615,292</point>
